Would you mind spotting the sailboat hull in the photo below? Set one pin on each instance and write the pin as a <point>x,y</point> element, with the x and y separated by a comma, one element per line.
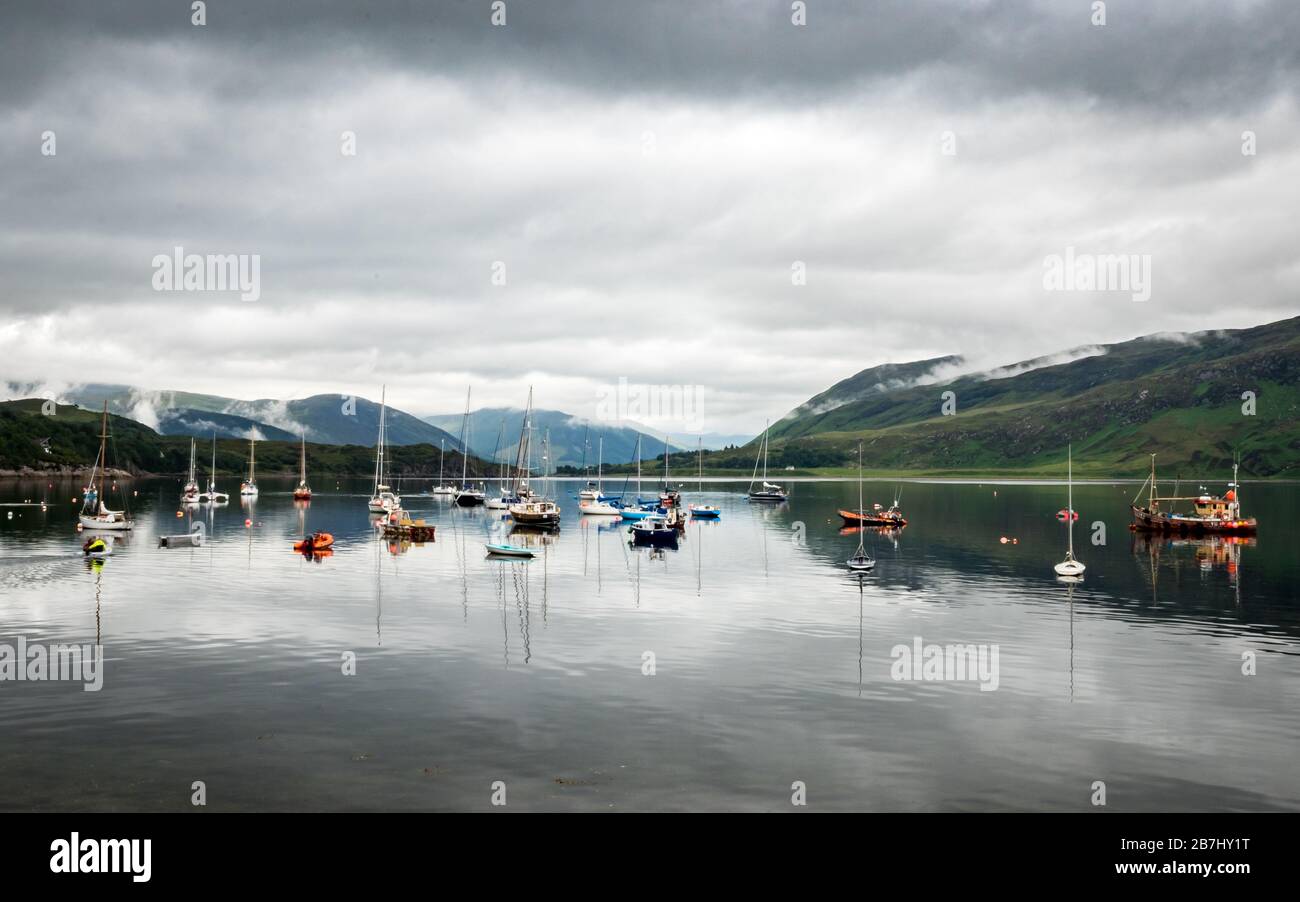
<point>115,524</point>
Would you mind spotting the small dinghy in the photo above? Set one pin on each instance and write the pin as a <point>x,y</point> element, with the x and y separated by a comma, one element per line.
<point>705,512</point>
<point>97,547</point>
<point>315,543</point>
<point>502,549</point>
<point>187,540</point>
<point>654,531</point>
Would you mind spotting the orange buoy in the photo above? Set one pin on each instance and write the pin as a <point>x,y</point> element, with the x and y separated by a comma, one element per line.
<point>248,524</point>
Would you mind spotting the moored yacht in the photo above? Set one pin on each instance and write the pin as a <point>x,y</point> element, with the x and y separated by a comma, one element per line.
<point>382,498</point>
<point>94,513</point>
<point>767,491</point>
<point>248,488</point>
<point>190,493</point>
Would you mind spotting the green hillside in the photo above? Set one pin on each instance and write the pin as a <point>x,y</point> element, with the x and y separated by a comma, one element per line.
<point>1180,398</point>
<point>72,437</point>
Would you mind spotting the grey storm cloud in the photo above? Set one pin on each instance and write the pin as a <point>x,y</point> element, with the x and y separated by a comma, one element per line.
<point>648,173</point>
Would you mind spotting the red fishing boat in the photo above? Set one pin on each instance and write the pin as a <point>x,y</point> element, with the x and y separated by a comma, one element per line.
<point>1211,514</point>
<point>878,516</point>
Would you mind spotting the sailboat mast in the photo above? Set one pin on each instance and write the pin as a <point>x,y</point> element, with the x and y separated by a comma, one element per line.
<point>383,436</point>
<point>862,549</point>
<point>1069,478</point>
<point>464,442</point>
<point>302,468</point>
<point>103,455</point>
<point>765,430</point>
<point>1151,492</point>
<point>638,468</point>
<point>600,464</point>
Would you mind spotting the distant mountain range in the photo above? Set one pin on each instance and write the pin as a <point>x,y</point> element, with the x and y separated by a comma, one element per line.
<point>1194,399</point>
<point>568,435</point>
<point>326,419</point>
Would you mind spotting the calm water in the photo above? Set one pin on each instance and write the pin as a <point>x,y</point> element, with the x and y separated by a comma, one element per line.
<point>224,663</point>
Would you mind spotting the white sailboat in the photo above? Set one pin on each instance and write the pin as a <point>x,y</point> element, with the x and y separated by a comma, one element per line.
<point>767,491</point>
<point>248,488</point>
<point>190,494</point>
<point>861,561</point>
<point>94,513</point>
<point>1070,568</point>
<point>467,495</point>
<point>442,488</point>
<point>212,495</point>
<point>302,491</point>
<point>594,507</point>
<point>529,510</point>
<point>589,492</point>
<point>702,511</point>
<point>382,500</point>
<point>503,498</point>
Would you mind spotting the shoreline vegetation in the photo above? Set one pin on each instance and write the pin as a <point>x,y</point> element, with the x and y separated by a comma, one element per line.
<point>36,444</point>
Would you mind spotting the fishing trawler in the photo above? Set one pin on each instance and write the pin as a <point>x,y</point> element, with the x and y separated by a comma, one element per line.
<point>302,492</point>
<point>1211,514</point>
<point>879,515</point>
<point>94,514</point>
<point>888,517</point>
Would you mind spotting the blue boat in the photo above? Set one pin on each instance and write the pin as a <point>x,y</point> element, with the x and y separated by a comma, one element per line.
<point>705,512</point>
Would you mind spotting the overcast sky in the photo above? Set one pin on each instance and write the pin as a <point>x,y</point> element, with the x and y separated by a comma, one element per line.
<point>648,173</point>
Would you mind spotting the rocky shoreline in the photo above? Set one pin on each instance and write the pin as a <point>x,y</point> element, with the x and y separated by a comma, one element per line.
<point>65,471</point>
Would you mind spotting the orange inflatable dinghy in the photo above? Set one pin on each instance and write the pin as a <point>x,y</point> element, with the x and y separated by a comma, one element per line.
<point>317,541</point>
